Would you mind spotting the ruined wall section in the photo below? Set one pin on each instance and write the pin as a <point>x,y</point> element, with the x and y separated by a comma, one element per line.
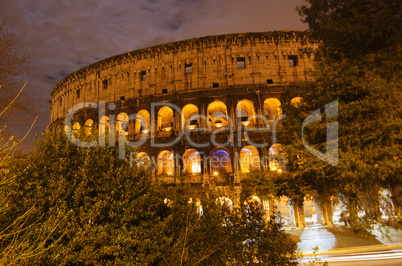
<point>199,63</point>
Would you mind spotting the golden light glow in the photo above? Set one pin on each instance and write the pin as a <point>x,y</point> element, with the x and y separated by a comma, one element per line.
<point>218,124</point>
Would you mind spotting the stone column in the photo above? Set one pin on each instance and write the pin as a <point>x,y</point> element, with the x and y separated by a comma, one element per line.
<point>324,210</point>
<point>296,211</point>
<point>203,112</point>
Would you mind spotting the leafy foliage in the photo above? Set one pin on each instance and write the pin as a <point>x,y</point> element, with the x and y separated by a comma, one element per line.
<point>87,207</point>
<point>353,28</point>
<point>358,64</point>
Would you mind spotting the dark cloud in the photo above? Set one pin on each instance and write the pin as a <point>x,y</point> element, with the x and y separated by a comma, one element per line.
<point>63,36</point>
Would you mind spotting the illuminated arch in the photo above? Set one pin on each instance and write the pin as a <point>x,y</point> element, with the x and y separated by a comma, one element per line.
<point>104,124</point>
<point>76,127</point>
<point>253,205</point>
<point>165,164</point>
<point>225,202</point>
<point>296,101</point>
<point>272,107</point>
<point>143,159</point>
<point>165,119</point>
<point>142,122</point>
<point>88,127</point>
<point>122,124</point>
<point>245,112</point>
<point>220,162</point>
<point>249,159</point>
<point>217,113</point>
<point>277,155</point>
<point>192,162</point>
<point>190,116</point>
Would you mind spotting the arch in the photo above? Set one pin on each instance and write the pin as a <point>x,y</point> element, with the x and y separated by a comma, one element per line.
<point>277,155</point>
<point>249,159</point>
<point>217,113</point>
<point>165,119</point>
<point>272,108</point>
<point>225,202</point>
<point>76,127</point>
<point>245,112</point>
<point>284,213</point>
<point>66,129</point>
<point>253,205</point>
<point>122,123</point>
<point>143,159</point>
<point>190,115</point>
<point>220,162</point>
<point>104,125</point>
<point>191,162</point>
<point>142,122</point>
<point>296,101</point>
<point>165,164</point>
<point>88,127</point>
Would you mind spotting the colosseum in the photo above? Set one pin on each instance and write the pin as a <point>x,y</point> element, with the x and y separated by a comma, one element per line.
<point>204,110</point>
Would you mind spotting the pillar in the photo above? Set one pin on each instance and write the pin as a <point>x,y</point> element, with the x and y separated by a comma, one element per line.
<point>324,210</point>
<point>297,213</point>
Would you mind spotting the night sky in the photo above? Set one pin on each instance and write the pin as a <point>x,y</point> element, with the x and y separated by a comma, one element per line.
<point>64,36</point>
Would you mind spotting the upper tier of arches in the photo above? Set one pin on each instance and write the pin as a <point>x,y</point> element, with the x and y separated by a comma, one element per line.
<point>207,63</point>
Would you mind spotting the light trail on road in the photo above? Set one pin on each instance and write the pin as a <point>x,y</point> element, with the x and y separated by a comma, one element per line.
<point>388,257</point>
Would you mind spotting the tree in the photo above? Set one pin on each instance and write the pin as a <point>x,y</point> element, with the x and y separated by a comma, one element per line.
<point>358,65</point>
<point>353,28</point>
<point>14,101</point>
<point>88,207</point>
<point>11,64</point>
<point>106,211</point>
<point>212,232</point>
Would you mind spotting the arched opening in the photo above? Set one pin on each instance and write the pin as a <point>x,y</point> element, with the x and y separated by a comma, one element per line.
<point>88,127</point>
<point>142,122</point>
<point>277,158</point>
<point>253,205</point>
<point>192,162</point>
<point>249,159</point>
<point>220,163</point>
<point>225,202</point>
<point>296,101</point>
<point>217,114</point>
<point>282,205</point>
<point>165,164</point>
<point>143,160</point>
<point>165,119</point>
<point>310,212</point>
<point>272,108</point>
<point>104,125</point>
<point>122,124</point>
<point>190,117</point>
<point>245,112</point>
<point>76,127</point>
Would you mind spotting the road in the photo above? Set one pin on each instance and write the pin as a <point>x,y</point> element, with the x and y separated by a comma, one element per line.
<point>388,257</point>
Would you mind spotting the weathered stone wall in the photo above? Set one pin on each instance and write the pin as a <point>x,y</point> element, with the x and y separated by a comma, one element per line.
<point>213,59</point>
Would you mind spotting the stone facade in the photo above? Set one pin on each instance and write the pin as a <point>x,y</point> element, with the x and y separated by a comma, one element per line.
<point>222,86</point>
